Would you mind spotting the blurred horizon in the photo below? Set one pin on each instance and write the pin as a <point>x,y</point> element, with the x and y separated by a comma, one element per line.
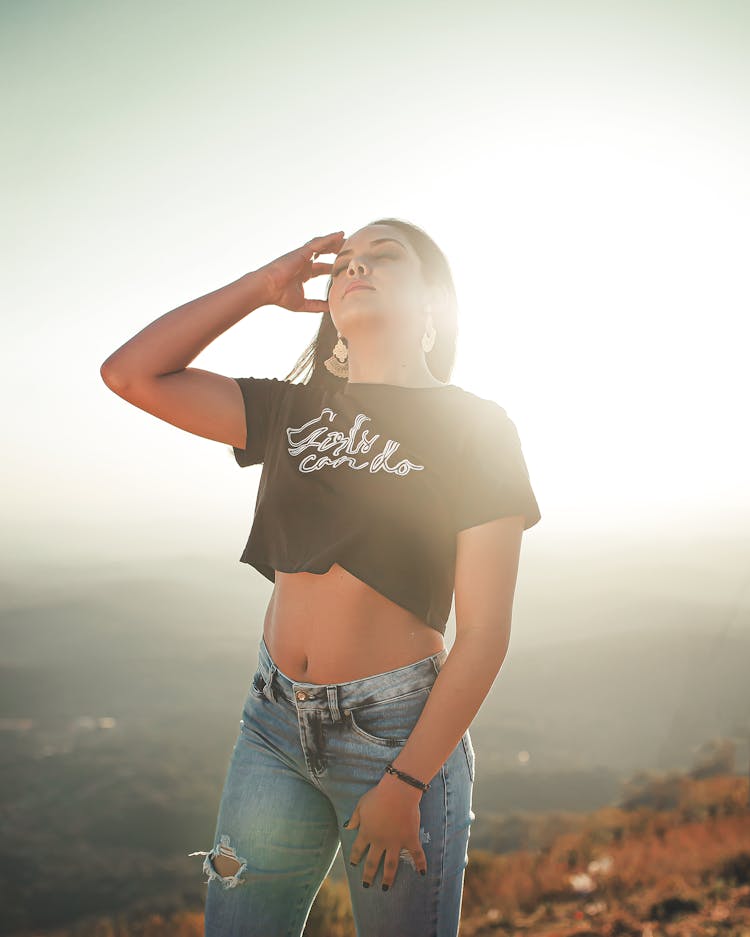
<point>589,588</point>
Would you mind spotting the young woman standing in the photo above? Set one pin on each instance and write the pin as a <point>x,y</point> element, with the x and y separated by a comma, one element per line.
<point>385,490</point>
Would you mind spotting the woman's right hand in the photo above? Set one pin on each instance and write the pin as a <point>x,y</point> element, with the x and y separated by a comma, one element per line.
<point>286,275</point>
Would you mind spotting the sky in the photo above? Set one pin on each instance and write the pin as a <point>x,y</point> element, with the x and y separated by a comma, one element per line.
<point>583,166</point>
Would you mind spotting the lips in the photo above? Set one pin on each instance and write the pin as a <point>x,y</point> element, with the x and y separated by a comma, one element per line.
<point>357,286</point>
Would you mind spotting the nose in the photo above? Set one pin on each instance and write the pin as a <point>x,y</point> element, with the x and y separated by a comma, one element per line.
<point>356,267</point>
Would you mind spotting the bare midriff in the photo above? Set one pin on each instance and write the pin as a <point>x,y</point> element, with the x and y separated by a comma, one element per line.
<point>332,628</point>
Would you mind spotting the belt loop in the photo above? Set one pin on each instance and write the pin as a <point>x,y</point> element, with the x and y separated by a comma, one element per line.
<point>333,704</point>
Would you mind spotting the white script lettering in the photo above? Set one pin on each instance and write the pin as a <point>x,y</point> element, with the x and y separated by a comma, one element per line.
<point>343,447</point>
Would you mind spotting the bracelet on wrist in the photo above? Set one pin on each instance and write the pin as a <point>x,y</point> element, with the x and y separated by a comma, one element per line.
<point>406,777</point>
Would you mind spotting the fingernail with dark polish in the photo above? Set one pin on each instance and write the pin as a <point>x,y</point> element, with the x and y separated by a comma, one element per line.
<point>385,888</point>
<point>365,884</point>
<point>422,872</point>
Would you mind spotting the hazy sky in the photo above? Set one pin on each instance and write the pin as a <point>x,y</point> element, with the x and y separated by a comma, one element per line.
<point>584,166</point>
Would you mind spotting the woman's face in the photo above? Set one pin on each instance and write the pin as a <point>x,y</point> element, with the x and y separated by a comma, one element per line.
<point>380,257</point>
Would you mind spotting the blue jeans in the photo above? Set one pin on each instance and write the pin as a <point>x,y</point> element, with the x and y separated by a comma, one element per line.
<point>305,754</point>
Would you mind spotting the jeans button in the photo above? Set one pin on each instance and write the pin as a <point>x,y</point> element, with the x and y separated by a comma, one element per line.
<point>301,694</point>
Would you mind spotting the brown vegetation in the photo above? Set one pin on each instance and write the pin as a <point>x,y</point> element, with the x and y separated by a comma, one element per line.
<point>642,868</point>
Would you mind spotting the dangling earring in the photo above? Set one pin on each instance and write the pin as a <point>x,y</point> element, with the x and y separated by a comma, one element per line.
<point>337,363</point>
<point>428,339</point>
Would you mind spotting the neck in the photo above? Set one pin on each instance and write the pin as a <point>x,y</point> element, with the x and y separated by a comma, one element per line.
<point>391,370</point>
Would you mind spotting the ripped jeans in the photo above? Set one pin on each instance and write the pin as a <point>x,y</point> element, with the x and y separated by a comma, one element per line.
<point>304,756</point>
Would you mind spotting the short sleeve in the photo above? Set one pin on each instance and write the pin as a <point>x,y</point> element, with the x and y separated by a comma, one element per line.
<point>262,397</point>
<point>495,478</point>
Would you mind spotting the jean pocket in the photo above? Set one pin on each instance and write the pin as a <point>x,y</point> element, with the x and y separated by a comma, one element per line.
<point>468,748</point>
<point>389,721</point>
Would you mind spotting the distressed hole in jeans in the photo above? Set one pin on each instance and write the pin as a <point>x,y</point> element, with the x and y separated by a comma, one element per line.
<point>406,856</point>
<point>223,863</point>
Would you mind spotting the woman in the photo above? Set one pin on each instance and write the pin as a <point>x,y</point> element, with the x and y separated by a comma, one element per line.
<point>384,489</point>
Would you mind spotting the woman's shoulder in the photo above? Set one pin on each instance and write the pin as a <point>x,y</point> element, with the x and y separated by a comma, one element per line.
<point>479,405</point>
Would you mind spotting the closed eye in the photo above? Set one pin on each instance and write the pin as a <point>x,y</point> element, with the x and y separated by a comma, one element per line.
<point>344,265</point>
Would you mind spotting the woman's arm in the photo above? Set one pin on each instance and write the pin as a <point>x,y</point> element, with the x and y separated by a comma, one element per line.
<point>387,815</point>
<point>486,572</point>
<point>175,339</point>
<point>151,370</point>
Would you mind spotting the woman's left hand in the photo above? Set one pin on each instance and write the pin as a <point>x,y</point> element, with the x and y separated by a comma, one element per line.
<point>388,820</point>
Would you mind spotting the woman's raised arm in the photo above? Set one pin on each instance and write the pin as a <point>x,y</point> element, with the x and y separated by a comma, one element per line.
<point>151,369</point>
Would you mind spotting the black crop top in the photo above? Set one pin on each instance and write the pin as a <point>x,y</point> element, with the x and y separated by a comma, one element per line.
<point>378,478</point>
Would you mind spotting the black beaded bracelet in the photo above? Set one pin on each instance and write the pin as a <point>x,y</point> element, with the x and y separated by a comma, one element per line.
<point>406,777</point>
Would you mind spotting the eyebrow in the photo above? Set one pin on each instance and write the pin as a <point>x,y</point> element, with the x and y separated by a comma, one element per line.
<point>376,241</point>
